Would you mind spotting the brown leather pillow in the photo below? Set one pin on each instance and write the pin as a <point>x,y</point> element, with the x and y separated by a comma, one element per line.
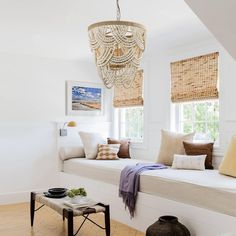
<point>200,149</point>
<point>124,147</point>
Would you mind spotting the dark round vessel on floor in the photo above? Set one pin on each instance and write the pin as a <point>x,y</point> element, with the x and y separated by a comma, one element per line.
<point>167,226</point>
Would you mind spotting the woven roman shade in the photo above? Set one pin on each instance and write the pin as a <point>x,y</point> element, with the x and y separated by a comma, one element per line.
<point>195,78</point>
<point>129,97</point>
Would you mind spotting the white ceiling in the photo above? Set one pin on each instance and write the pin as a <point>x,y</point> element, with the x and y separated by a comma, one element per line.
<point>219,16</point>
<point>58,28</point>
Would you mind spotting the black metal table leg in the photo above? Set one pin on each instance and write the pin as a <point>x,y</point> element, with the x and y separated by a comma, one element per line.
<point>68,213</point>
<point>107,220</point>
<point>32,207</point>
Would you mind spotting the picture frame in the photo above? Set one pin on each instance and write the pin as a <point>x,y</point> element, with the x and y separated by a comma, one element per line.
<point>84,98</point>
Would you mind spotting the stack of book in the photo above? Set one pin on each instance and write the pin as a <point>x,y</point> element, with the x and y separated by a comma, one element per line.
<point>83,203</point>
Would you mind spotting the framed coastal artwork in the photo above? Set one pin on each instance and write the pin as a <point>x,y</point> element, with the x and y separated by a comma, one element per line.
<point>84,98</point>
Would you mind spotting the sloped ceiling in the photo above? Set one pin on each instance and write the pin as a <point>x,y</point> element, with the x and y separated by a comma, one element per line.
<point>220,18</point>
<point>58,28</point>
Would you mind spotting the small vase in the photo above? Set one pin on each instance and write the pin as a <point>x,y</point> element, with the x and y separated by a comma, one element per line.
<point>167,226</point>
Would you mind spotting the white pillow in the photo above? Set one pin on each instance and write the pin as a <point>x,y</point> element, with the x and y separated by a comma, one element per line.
<point>90,142</point>
<point>189,162</point>
<point>172,143</point>
<point>66,153</point>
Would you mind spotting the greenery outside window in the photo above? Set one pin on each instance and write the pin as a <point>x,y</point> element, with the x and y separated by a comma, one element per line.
<point>131,122</point>
<point>201,117</point>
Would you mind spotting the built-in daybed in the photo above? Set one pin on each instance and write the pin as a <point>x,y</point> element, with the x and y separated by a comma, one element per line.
<point>205,201</point>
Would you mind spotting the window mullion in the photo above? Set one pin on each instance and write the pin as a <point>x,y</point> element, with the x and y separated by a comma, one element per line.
<point>130,125</point>
<point>206,117</point>
<point>179,115</point>
<point>139,122</point>
<point>193,116</point>
<point>120,122</point>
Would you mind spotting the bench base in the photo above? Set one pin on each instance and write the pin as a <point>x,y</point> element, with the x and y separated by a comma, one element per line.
<point>150,207</point>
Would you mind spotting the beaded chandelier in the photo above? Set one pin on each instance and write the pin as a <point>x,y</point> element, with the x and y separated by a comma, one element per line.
<point>118,47</point>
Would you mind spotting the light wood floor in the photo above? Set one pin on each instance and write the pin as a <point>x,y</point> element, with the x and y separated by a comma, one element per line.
<point>15,221</point>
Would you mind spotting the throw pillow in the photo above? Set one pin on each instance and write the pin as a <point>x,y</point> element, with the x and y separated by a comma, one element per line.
<point>90,142</point>
<point>66,153</point>
<point>124,147</point>
<point>200,149</point>
<point>172,143</point>
<point>189,162</point>
<point>228,165</point>
<point>108,151</point>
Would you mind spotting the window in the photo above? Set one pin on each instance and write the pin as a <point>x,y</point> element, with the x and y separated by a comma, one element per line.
<point>131,123</point>
<point>201,117</point>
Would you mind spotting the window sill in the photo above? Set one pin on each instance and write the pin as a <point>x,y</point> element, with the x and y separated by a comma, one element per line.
<point>138,144</point>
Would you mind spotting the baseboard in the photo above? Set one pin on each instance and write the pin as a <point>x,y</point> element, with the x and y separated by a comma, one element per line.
<point>16,197</point>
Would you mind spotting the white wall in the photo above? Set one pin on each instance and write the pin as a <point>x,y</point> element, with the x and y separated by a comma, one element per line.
<point>157,100</point>
<point>32,102</point>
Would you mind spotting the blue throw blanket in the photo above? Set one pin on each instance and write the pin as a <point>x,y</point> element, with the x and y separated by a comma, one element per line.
<point>129,183</point>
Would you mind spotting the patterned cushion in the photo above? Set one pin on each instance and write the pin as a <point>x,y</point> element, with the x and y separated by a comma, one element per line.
<point>124,147</point>
<point>189,162</point>
<point>108,151</point>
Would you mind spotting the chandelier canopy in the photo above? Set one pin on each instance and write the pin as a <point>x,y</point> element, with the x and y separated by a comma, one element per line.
<point>118,47</point>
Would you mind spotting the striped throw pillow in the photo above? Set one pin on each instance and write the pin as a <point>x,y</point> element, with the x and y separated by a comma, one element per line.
<point>189,162</point>
<point>108,151</point>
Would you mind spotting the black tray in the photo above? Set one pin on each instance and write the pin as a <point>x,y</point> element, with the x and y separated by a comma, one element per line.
<point>47,194</point>
<point>57,191</point>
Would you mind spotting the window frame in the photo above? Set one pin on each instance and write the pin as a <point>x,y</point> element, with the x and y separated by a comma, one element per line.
<point>116,119</point>
<point>177,122</point>
<point>120,123</point>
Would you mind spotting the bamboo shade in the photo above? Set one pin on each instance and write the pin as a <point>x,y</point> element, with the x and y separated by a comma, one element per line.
<point>129,97</point>
<point>195,78</point>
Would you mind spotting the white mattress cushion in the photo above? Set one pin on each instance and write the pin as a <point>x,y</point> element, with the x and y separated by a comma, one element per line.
<point>207,189</point>
<point>102,170</point>
<point>66,153</point>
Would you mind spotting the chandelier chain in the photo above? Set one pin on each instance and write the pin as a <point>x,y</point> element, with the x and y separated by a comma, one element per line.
<point>118,14</point>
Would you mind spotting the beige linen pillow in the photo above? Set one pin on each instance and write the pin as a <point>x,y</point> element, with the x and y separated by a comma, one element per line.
<point>172,143</point>
<point>90,142</point>
<point>66,153</point>
<point>189,162</point>
<point>108,151</point>
<point>228,165</point>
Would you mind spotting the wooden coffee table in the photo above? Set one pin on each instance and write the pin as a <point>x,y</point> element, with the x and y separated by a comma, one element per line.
<point>70,213</point>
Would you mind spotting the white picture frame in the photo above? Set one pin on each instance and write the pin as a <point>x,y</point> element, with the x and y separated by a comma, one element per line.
<point>84,98</point>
